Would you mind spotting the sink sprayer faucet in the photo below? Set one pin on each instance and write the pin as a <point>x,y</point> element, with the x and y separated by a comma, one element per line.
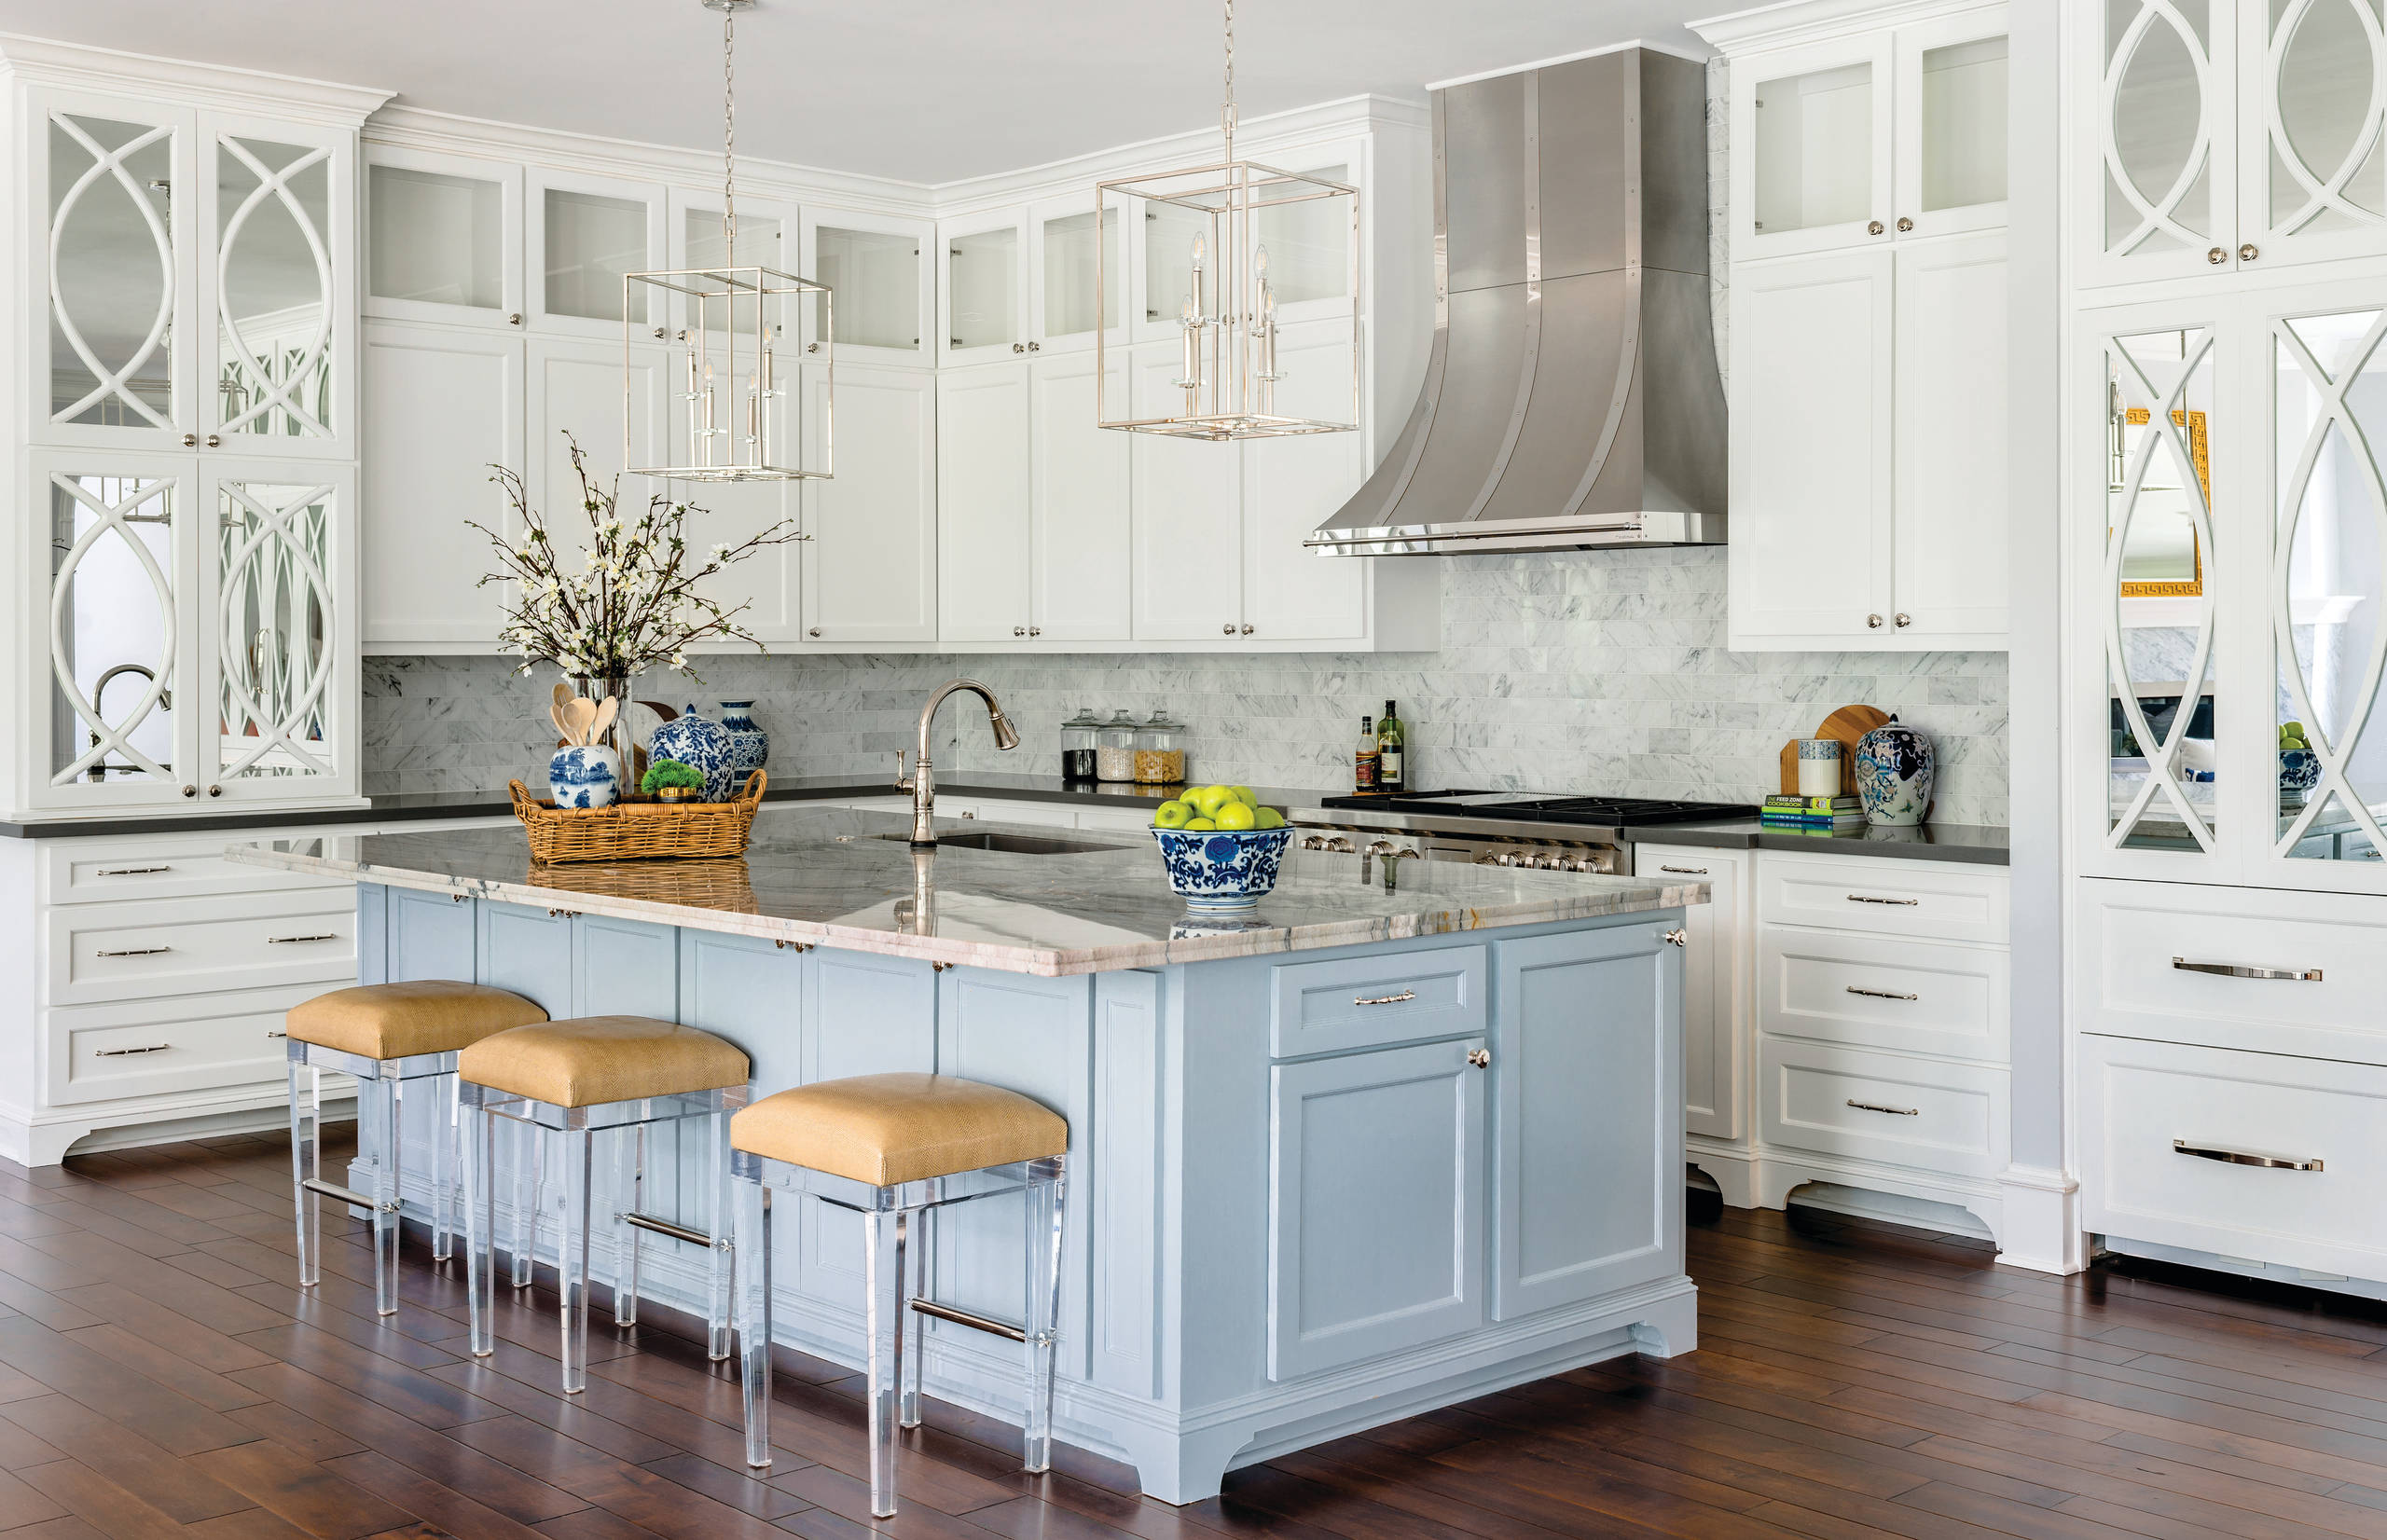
<point>922,782</point>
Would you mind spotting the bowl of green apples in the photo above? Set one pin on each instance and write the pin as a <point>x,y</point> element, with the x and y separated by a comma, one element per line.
<point>1221,848</point>
<point>2299,768</point>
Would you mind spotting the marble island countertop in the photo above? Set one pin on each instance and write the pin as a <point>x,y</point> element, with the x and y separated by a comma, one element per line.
<point>828,877</point>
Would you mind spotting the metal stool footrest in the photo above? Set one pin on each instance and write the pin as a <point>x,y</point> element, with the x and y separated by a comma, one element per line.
<point>348,1195</point>
<point>986,1324</point>
<point>678,1232</point>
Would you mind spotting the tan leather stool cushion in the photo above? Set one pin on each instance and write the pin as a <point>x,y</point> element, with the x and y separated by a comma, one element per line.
<point>589,1060</point>
<point>884,1129</point>
<point>397,1020</point>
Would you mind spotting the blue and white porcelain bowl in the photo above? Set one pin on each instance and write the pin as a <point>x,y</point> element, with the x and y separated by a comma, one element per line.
<point>2300,770</point>
<point>584,776</point>
<point>1221,871</point>
<point>700,745</point>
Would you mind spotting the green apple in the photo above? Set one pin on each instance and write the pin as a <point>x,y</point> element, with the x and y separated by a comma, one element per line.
<point>1209,799</point>
<point>1267,817</point>
<point>1246,795</point>
<point>1236,815</point>
<point>1200,823</point>
<point>1172,815</point>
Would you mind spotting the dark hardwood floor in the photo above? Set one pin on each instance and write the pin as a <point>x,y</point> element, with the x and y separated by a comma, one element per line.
<point>160,1375</point>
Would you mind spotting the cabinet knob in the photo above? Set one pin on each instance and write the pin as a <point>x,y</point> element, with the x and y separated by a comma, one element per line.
<point>514,318</point>
<point>1035,630</point>
<point>2249,251</point>
<point>214,441</point>
<point>1480,1057</point>
<point>1678,938</point>
<point>1905,224</point>
<point>190,790</point>
<point>1874,228</point>
<point>1019,347</point>
<point>1247,631</point>
<point>2218,256</point>
<point>815,631</point>
<point>190,441</point>
<point>658,334</point>
<point>812,346</point>
<point>1019,631</point>
<point>1904,621</point>
<point>1036,347</point>
<point>216,791</point>
<point>1228,628</point>
<point>1873,621</point>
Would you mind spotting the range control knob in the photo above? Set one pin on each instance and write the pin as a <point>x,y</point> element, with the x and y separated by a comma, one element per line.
<point>1313,842</point>
<point>1551,863</point>
<point>1487,858</point>
<point>1340,843</point>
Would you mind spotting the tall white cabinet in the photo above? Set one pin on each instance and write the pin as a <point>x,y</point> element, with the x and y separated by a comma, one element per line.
<point>180,435</point>
<point>1867,328</point>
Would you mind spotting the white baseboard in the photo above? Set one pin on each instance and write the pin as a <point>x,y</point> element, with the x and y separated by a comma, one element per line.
<point>2042,1230</point>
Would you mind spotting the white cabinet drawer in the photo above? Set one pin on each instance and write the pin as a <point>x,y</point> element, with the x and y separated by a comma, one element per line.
<point>2128,983</point>
<point>143,1048</point>
<point>1916,996</point>
<point>176,947</point>
<point>2145,1108</point>
<point>1937,900</point>
<point>168,866</point>
<point>1925,1113</point>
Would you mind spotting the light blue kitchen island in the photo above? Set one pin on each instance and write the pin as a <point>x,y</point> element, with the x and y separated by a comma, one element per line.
<point>1412,1133</point>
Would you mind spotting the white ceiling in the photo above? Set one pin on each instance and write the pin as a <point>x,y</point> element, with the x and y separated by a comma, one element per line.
<point>920,90</point>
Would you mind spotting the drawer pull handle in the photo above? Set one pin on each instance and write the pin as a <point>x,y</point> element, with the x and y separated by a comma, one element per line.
<point>1406,995</point>
<point>1863,898</point>
<point>128,1052</point>
<point>272,1035</point>
<point>134,952</point>
<point>2232,970</point>
<point>2240,1157</point>
<point>1686,870</point>
<point>1881,994</point>
<point>563,913</point>
<point>1894,1111</point>
<point>129,871</point>
<point>320,936</point>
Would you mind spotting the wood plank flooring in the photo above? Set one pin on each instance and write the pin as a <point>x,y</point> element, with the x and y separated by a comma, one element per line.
<point>161,1375</point>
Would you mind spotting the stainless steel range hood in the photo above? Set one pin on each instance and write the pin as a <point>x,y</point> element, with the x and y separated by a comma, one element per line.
<point>1572,400</point>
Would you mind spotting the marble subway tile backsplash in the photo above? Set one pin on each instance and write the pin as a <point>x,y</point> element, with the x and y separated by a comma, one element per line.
<point>1588,671</point>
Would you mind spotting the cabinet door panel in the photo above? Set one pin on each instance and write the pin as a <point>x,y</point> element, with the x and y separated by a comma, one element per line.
<point>442,404</point>
<point>2310,181</point>
<point>898,996</point>
<point>1715,1055</point>
<point>528,951</point>
<point>877,267</point>
<point>982,503</point>
<point>1814,129</point>
<point>870,567</point>
<point>575,388</point>
<point>624,968</point>
<point>2158,170</point>
<point>1583,1029</point>
<point>1377,1209</point>
<point>1079,480</point>
<point>1187,517</point>
<point>1811,472</point>
<point>443,239</point>
<point>1952,105</point>
<point>1949,530</point>
<point>430,936</point>
<point>278,211</point>
<point>1290,484</point>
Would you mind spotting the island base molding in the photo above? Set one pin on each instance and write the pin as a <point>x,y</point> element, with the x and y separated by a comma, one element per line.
<point>40,1137</point>
<point>1767,1178</point>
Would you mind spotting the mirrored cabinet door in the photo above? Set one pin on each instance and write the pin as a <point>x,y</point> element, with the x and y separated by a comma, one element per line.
<point>2314,170</point>
<point>2157,168</point>
<point>1952,127</point>
<point>116,275</point>
<point>2328,587</point>
<point>879,284</point>
<point>1815,129</point>
<point>278,265</point>
<point>277,641</point>
<point>2157,599</point>
<point>443,239</point>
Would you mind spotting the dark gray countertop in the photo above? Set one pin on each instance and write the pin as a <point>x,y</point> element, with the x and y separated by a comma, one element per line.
<point>1977,845</point>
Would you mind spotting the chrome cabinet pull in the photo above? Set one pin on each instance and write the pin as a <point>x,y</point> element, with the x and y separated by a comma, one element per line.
<point>128,1052</point>
<point>134,952</point>
<point>129,871</point>
<point>1480,1057</point>
<point>1686,870</point>
<point>2233,971</point>
<point>1678,938</point>
<point>1881,994</point>
<point>272,1035</point>
<point>322,936</point>
<point>563,913</point>
<point>1386,999</point>
<point>1892,1111</point>
<point>1866,897</point>
<point>2240,1157</point>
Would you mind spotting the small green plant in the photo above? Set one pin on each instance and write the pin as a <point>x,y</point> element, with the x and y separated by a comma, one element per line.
<point>663,773</point>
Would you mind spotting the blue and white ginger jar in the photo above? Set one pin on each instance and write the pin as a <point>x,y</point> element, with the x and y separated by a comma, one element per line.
<point>1895,768</point>
<point>749,745</point>
<point>585,776</point>
<point>700,745</point>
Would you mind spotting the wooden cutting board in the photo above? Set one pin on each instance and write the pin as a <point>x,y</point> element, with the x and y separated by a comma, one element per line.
<point>1847,724</point>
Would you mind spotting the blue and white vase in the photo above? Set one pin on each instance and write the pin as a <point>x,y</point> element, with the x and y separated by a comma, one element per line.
<point>1895,768</point>
<point>749,745</point>
<point>700,745</point>
<point>585,776</point>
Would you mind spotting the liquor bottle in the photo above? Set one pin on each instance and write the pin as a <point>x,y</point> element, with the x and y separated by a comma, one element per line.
<point>1364,765</point>
<point>1392,745</point>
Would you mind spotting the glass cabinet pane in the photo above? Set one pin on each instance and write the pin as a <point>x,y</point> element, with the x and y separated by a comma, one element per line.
<point>112,305</point>
<point>1308,242</point>
<point>1963,124</point>
<point>113,615</point>
<point>437,240</point>
<point>273,251</point>
<point>2158,172</point>
<point>982,276</point>
<point>2323,168</point>
<point>591,242</point>
<point>1169,233</point>
<point>875,279</point>
<point>1815,150</point>
<point>2158,564</point>
<point>1068,273</point>
<point>758,246</point>
<point>273,599</point>
<point>2329,584</point>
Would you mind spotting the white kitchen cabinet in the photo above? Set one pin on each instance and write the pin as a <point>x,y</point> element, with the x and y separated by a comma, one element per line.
<point>1187,517</point>
<point>1290,593</point>
<point>1715,1002</point>
<point>1949,449</point>
<point>870,570</point>
<point>983,456</point>
<point>443,239</point>
<point>982,299</point>
<point>583,233</point>
<point>1078,492</point>
<point>882,287</point>
<point>574,392</point>
<point>1061,251</point>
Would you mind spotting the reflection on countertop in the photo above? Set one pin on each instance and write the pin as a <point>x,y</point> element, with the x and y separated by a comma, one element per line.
<point>1978,845</point>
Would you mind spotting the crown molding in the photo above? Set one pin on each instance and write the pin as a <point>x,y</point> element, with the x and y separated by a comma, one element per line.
<point>46,61</point>
<point>1792,23</point>
<point>1641,44</point>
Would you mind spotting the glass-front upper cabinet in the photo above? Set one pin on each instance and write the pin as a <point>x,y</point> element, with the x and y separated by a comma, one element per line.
<point>1062,261</point>
<point>1814,128</point>
<point>443,239</point>
<point>2313,167</point>
<point>2327,589</point>
<point>586,234</point>
<point>2158,597</point>
<point>881,283</point>
<point>983,301</point>
<point>275,635</point>
<point>2158,172</point>
<point>767,237</point>
<point>1952,126</point>
<point>279,375</point>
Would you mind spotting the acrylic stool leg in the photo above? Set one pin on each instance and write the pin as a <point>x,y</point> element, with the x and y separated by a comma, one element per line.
<point>883,1293</point>
<point>754,1317</point>
<point>912,1331</point>
<point>480,1224</point>
<point>722,1262</point>
<point>529,1151</point>
<point>1044,1320</point>
<point>307,1160</point>
<point>381,1094</point>
<point>572,1254</point>
<point>629,1191</point>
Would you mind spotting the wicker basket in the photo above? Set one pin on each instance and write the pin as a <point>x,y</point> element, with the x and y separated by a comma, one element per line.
<point>721,884</point>
<point>639,831</point>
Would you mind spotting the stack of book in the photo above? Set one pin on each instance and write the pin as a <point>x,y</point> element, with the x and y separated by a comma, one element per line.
<point>1823,815</point>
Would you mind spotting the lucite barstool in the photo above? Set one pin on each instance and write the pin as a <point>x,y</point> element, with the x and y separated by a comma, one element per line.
<point>575,1079</point>
<point>388,1036</point>
<point>893,1148</point>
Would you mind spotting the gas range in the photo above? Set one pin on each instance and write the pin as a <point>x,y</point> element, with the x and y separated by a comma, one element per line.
<point>1550,831</point>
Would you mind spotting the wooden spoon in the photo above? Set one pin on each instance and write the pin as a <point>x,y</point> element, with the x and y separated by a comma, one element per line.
<point>578,715</point>
<point>605,709</point>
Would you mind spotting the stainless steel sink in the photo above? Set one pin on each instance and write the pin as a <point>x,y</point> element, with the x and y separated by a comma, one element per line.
<point>1008,845</point>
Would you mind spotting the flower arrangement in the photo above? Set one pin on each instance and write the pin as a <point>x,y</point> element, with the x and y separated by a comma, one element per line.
<point>632,604</point>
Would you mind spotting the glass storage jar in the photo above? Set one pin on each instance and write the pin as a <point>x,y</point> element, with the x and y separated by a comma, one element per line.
<point>1160,752</point>
<point>1080,745</point>
<point>1114,749</point>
